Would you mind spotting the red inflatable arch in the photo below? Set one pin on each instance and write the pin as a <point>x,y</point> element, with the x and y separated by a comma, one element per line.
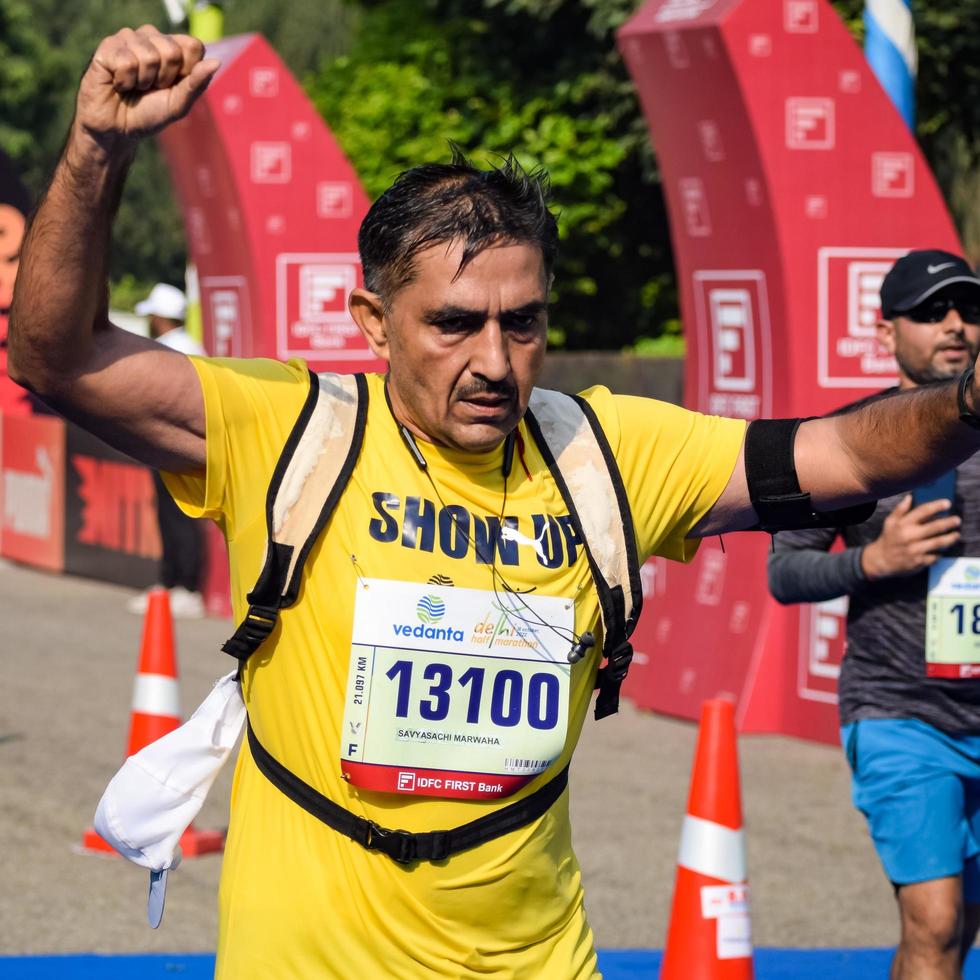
<point>271,208</point>
<point>792,185</point>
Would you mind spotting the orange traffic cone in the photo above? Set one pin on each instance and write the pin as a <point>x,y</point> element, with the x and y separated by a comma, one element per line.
<point>710,936</point>
<point>156,712</point>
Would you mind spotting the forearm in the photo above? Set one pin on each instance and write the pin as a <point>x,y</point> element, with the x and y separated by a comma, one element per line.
<point>811,575</point>
<point>60,298</point>
<point>885,447</point>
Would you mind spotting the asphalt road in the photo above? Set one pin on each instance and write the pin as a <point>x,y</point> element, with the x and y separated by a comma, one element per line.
<point>66,672</point>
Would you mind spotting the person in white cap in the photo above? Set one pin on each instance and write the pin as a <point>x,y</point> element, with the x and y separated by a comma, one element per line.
<point>180,535</point>
<point>166,310</point>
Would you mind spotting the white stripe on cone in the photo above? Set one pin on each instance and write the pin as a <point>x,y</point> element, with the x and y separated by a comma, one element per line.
<point>713,850</point>
<point>155,694</point>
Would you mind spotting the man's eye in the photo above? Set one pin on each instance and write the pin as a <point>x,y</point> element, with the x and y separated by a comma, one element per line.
<point>455,324</point>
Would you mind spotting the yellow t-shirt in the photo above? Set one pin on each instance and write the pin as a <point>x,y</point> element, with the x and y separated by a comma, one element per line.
<point>299,900</point>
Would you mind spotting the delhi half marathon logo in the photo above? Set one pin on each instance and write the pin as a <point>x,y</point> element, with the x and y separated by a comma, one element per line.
<point>972,573</point>
<point>430,609</point>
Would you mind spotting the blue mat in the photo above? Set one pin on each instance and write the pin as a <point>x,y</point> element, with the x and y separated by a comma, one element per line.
<point>616,964</point>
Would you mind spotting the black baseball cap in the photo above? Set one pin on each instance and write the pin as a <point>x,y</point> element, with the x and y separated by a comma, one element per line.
<point>917,276</point>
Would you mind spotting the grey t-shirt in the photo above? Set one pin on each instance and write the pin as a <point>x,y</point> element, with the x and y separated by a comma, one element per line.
<point>883,673</point>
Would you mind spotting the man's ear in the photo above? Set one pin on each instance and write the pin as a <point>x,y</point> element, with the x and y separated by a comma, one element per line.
<point>885,332</point>
<point>368,312</point>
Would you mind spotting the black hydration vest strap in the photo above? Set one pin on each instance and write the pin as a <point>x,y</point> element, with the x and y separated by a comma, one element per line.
<point>618,622</point>
<point>275,588</point>
<point>403,846</point>
<point>616,648</point>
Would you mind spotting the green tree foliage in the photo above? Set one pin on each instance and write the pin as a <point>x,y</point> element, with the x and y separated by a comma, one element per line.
<point>947,100</point>
<point>303,32</point>
<point>44,48</point>
<point>397,79</point>
<point>542,78</point>
<point>31,82</point>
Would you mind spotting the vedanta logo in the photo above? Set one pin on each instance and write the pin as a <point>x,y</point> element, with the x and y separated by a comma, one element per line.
<point>421,632</point>
<point>430,609</point>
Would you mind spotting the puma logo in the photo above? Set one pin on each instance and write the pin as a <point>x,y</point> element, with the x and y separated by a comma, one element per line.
<point>933,269</point>
<point>508,533</point>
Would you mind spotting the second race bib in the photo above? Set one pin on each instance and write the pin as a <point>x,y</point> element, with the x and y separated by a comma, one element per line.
<point>953,618</point>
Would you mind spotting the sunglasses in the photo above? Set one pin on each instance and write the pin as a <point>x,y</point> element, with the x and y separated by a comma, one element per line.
<point>935,310</point>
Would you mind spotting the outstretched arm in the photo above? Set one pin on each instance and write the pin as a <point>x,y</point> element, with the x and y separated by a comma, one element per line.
<point>130,391</point>
<point>801,567</point>
<point>884,447</point>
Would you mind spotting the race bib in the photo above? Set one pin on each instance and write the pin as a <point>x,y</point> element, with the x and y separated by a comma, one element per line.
<point>454,692</point>
<point>953,618</point>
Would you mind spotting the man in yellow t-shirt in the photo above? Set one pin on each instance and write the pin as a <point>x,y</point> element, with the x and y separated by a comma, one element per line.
<point>515,903</point>
<point>450,525</point>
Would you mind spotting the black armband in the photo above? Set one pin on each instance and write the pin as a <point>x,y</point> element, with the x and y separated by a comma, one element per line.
<point>774,489</point>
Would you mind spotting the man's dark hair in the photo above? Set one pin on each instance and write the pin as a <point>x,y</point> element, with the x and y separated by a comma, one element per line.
<point>436,203</point>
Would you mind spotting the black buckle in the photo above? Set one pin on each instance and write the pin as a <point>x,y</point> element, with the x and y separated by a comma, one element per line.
<point>252,632</point>
<point>609,679</point>
<point>618,662</point>
<point>784,510</point>
<point>399,845</point>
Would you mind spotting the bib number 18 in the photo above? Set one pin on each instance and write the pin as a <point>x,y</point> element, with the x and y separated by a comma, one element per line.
<point>512,696</point>
<point>966,615</point>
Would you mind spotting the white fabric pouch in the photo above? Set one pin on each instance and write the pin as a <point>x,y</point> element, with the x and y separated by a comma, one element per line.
<point>157,793</point>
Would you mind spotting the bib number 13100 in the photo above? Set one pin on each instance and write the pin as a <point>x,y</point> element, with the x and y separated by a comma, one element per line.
<point>452,692</point>
<point>505,696</point>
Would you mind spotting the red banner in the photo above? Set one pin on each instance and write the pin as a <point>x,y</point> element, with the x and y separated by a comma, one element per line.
<point>32,490</point>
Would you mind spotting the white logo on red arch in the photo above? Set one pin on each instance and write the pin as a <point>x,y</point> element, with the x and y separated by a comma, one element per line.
<point>714,151</point>
<point>801,16</point>
<point>694,204</point>
<point>271,163</point>
<point>263,83</point>
<point>821,649</point>
<point>311,305</point>
<point>892,174</point>
<point>810,123</point>
<point>334,199</point>
<point>848,352</point>
<point>734,342</point>
<point>226,299</point>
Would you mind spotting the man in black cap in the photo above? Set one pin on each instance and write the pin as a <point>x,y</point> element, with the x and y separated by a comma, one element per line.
<point>909,687</point>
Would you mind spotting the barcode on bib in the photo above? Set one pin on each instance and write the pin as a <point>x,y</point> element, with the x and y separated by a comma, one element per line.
<point>523,765</point>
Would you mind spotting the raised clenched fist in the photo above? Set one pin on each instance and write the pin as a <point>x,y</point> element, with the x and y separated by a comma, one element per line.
<point>138,82</point>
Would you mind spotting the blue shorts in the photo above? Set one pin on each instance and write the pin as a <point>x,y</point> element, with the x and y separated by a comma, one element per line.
<point>919,789</point>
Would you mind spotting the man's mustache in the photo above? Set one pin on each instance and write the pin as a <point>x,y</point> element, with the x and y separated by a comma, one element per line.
<point>494,389</point>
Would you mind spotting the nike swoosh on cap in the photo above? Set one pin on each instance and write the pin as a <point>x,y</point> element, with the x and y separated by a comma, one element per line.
<point>933,269</point>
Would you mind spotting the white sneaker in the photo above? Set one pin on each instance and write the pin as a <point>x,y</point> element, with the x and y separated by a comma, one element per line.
<point>138,603</point>
<point>185,604</point>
